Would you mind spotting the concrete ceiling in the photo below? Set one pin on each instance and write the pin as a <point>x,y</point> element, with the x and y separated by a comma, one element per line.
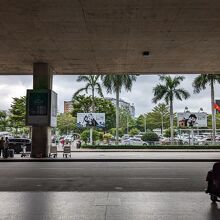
<point>109,36</point>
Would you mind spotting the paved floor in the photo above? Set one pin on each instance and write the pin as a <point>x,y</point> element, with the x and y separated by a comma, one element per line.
<point>138,155</point>
<point>107,206</point>
<point>103,176</point>
<point>106,190</point>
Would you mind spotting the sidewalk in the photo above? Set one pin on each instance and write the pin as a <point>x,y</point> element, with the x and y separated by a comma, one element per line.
<point>112,156</point>
<point>108,206</point>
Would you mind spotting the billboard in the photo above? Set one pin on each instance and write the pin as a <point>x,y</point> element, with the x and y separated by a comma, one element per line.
<point>90,120</point>
<point>191,119</point>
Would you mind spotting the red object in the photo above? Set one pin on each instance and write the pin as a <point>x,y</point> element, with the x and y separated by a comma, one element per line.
<point>217,107</point>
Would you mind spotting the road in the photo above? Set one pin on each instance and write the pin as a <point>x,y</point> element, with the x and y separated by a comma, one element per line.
<point>104,176</point>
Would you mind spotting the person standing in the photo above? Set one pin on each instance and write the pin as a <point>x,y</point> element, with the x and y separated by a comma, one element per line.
<point>6,146</point>
<point>2,144</point>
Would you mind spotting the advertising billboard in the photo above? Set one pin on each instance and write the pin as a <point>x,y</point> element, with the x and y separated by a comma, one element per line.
<point>192,119</point>
<point>90,120</point>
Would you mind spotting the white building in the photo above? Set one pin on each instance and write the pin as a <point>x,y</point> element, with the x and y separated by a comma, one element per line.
<point>124,104</point>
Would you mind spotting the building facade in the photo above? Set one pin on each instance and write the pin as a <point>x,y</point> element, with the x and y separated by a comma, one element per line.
<point>124,105</point>
<point>68,106</point>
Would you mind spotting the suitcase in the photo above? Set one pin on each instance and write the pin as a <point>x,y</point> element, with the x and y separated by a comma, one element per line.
<point>11,153</point>
<point>5,153</point>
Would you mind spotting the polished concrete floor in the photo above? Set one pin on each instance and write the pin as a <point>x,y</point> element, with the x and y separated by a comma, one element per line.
<point>103,176</point>
<point>105,191</point>
<point>107,206</point>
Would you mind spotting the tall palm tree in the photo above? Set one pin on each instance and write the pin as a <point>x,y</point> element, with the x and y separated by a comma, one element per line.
<point>200,83</point>
<point>170,90</point>
<point>115,83</point>
<point>92,82</point>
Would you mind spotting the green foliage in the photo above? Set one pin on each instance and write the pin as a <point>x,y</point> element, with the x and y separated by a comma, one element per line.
<point>4,123</point>
<point>169,90</point>
<point>66,123</point>
<point>114,84</point>
<point>82,103</point>
<point>134,131</point>
<point>120,132</point>
<point>140,123</point>
<point>18,113</point>
<point>107,137</point>
<point>203,80</point>
<point>125,120</point>
<point>86,133</point>
<point>150,136</point>
<point>167,133</point>
<point>157,147</point>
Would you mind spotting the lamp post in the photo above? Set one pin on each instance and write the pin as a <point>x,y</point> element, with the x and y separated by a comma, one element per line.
<point>145,124</point>
<point>200,110</point>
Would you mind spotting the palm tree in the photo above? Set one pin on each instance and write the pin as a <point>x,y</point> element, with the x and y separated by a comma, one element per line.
<point>92,82</point>
<point>200,83</point>
<point>115,83</point>
<point>169,90</point>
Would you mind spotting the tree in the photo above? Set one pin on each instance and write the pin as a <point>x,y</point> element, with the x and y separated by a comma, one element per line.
<point>81,103</point>
<point>114,84</point>
<point>66,123</point>
<point>159,117</point>
<point>18,113</point>
<point>200,83</point>
<point>126,122</point>
<point>3,120</point>
<point>168,91</point>
<point>92,82</point>
<point>150,136</point>
<point>86,134</point>
<point>140,123</point>
<point>134,131</point>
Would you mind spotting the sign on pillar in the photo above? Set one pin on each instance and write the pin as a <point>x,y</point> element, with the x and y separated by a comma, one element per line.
<point>41,107</point>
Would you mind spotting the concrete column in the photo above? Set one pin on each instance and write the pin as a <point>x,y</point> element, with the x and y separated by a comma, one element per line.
<point>41,135</point>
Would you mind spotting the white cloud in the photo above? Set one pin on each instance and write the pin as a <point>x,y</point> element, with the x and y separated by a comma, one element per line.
<point>141,94</point>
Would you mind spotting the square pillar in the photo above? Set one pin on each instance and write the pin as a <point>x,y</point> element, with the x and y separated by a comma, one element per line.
<point>41,135</point>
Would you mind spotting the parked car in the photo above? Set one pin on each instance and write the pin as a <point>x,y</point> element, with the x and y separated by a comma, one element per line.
<point>134,141</point>
<point>17,143</point>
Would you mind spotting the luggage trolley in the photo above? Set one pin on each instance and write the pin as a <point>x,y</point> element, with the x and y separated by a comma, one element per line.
<point>53,151</point>
<point>66,151</point>
<point>24,153</point>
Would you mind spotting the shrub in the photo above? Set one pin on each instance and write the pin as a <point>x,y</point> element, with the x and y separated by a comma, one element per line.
<point>150,136</point>
<point>86,134</point>
<point>107,137</point>
<point>134,131</point>
<point>167,133</point>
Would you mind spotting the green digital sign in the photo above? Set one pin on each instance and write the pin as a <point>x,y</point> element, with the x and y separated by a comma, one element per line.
<point>38,103</point>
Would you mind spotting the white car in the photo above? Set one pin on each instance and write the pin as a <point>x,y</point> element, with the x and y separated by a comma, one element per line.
<point>134,141</point>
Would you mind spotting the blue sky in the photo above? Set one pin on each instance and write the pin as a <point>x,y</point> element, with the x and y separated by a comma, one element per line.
<point>141,94</point>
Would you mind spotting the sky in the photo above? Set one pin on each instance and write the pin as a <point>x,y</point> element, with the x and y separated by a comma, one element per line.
<point>141,94</point>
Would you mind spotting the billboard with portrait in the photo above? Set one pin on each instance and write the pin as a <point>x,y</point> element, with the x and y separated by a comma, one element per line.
<point>90,119</point>
<point>191,119</point>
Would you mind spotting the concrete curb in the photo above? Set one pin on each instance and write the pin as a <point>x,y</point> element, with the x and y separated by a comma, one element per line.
<point>104,160</point>
<point>127,150</point>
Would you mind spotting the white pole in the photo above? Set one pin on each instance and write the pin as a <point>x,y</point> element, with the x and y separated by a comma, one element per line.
<point>90,135</point>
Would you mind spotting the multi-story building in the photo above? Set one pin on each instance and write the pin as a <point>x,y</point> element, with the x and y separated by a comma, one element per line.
<point>125,105</point>
<point>68,106</point>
